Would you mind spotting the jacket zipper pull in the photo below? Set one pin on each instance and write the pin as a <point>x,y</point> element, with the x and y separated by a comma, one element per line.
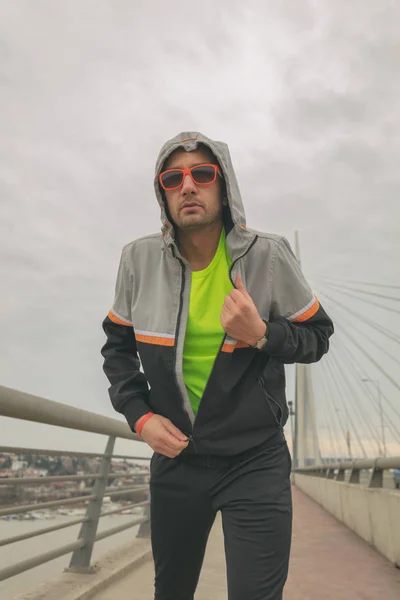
<point>191,439</point>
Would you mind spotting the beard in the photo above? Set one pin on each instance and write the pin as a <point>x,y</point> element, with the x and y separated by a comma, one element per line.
<point>198,219</point>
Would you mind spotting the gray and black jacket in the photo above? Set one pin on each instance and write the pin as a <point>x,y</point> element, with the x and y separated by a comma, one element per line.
<point>244,402</point>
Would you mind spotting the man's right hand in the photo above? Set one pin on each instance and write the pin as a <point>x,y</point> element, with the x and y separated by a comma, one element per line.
<point>163,437</point>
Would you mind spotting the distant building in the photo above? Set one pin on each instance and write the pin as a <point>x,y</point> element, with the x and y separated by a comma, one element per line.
<point>5,473</point>
<point>18,465</point>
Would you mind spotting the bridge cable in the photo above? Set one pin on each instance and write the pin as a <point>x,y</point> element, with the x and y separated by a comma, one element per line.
<point>377,365</point>
<point>365,374</point>
<point>389,377</point>
<point>331,405</point>
<point>381,285</point>
<point>386,332</point>
<point>331,442</point>
<point>370,394</point>
<point>333,408</point>
<point>382,306</point>
<point>373,342</point>
<point>328,449</point>
<point>367,292</point>
<point>343,396</point>
<point>369,429</point>
<point>335,454</point>
<point>328,366</point>
<point>346,333</point>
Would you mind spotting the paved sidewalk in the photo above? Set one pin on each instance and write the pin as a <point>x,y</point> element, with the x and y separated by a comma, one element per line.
<point>328,562</point>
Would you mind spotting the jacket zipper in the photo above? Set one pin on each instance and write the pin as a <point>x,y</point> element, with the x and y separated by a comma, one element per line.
<point>176,337</point>
<point>240,257</point>
<point>269,398</point>
<point>224,338</point>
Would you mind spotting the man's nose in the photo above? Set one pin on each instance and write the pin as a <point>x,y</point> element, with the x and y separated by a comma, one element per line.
<point>188,186</point>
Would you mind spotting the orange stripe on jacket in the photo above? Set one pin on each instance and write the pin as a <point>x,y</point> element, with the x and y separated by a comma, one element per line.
<point>308,314</point>
<point>153,339</point>
<point>231,347</point>
<point>117,320</point>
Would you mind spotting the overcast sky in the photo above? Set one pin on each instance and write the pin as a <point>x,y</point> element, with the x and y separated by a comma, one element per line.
<point>307,96</point>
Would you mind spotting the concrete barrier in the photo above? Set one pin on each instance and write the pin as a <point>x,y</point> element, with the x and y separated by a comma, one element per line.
<point>372,513</point>
<point>110,567</point>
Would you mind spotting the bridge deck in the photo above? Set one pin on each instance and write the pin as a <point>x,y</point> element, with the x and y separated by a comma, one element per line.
<point>328,562</point>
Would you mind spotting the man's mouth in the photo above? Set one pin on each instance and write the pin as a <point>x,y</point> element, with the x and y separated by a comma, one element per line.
<point>191,205</point>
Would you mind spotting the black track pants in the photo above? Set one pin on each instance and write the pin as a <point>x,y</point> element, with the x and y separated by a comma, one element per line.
<point>254,496</point>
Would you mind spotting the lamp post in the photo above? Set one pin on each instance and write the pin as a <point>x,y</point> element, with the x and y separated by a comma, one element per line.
<point>377,384</point>
<point>348,442</point>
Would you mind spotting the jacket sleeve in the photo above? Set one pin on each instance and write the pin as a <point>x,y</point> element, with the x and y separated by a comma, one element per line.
<point>129,390</point>
<point>299,329</point>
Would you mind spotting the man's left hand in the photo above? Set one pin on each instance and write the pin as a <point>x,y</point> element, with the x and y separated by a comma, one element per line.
<point>239,316</point>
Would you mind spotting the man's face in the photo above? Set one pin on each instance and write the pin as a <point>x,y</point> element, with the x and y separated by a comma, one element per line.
<point>194,206</point>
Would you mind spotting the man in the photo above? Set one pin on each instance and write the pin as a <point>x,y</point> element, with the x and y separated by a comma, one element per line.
<point>214,310</point>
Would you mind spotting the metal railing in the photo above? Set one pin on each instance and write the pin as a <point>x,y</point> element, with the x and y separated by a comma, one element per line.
<point>337,471</point>
<point>19,405</point>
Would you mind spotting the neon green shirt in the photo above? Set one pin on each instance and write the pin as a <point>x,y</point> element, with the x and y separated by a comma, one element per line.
<point>204,333</point>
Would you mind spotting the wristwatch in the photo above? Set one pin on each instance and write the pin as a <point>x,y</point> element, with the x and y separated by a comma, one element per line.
<point>262,341</point>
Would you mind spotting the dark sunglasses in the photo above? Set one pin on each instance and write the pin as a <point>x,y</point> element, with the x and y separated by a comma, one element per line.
<point>201,175</point>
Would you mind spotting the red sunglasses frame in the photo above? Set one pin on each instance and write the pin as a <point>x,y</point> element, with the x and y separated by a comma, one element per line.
<point>189,172</point>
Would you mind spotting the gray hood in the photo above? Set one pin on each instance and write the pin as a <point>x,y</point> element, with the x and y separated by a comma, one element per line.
<point>189,140</point>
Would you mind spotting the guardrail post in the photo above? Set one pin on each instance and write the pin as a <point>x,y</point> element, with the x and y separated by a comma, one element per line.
<point>340,475</point>
<point>330,473</point>
<point>354,475</point>
<point>145,527</point>
<point>80,560</point>
<point>376,480</point>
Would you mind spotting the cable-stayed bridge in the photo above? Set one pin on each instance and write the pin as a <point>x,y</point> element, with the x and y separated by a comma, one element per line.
<point>348,405</point>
